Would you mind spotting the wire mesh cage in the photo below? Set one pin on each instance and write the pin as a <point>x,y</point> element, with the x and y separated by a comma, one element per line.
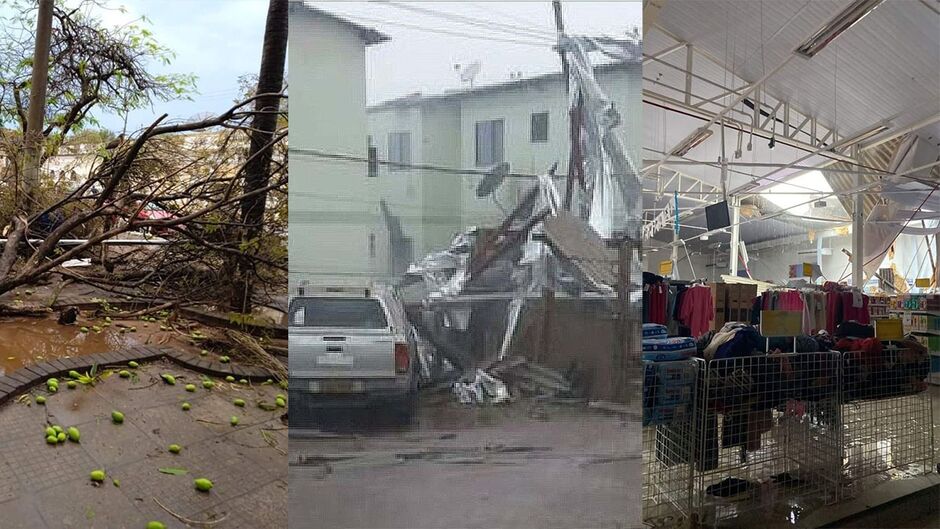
<point>670,395</point>
<point>769,433</point>
<point>887,416</point>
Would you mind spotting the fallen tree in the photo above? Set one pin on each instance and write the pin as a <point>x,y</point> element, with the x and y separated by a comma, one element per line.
<point>183,181</point>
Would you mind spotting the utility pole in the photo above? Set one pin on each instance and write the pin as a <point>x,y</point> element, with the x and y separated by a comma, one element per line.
<point>574,116</point>
<point>33,139</point>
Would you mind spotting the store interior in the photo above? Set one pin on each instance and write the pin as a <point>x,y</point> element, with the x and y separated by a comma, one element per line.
<point>791,287</point>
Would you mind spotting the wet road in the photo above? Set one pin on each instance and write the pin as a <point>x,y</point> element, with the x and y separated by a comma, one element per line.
<point>525,465</point>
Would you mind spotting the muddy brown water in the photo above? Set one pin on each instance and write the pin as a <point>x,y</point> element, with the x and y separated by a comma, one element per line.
<point>25,341</point>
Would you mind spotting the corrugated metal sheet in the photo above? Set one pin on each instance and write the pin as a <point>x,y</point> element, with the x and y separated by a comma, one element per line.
<point>577,243</point>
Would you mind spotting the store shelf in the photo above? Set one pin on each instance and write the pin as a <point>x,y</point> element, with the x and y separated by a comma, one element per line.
<point>930,312</point>
<point>927,332</point>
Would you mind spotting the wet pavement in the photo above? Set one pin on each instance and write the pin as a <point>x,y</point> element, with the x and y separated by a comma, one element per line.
<point>523,465</point>
<point>49,486</point>
<point>31,340</point>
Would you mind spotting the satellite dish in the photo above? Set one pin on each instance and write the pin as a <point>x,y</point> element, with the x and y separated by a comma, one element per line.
<point>494,177</point>
<point>469,72</point>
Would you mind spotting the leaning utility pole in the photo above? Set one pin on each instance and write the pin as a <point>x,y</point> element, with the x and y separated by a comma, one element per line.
<point>574,116</point>
<point>33,139</point>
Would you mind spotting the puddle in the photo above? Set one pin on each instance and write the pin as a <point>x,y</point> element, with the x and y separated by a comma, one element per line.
<point>26,341</point>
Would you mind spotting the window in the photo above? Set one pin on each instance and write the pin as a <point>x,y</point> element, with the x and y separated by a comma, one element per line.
<point>357,313</point>
<point>373,160</point>
<point>399,149</point>
<point>539,127</point>
<point>489,142</point>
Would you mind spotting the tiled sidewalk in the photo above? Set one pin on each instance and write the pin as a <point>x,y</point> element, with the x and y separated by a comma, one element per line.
<point>48,486</point>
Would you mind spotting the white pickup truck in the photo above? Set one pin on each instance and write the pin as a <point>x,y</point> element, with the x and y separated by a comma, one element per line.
<point>352,348</point>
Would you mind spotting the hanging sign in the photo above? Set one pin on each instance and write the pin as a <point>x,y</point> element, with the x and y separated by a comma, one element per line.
<point>810,270</point>
<point>889,329</point>
<point>775,323</point>
<point>922,282</point>
<point>665,268</point>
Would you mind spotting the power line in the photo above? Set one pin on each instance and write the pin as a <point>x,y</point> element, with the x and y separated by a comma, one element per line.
<point>471,21</point>
<point>400,165</point>
<point>448,32</point>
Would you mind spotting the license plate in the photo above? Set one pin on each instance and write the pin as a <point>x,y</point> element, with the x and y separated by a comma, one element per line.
<point>335,359</point>
<point>335,386</point>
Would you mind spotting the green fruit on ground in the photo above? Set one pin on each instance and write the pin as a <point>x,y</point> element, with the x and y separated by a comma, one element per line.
<point>208,384</point>
<point>203,352</point>
<point>58,429</point>
<point>74,434</point>
<point>50,431</point>
<point>97,475</point>
<point>124,373</point>
<point>190,387</point>
<point>53,388</point>
<point>233,421</point>
<point>40,400</point>
<point>83,329</point>
<point>117,417</point>
<point>53,381</point>
<point>224,359</point>
<point>186,406</point>
<point>133,364</point>
<point>239,402</point>
<point>243,381</point>
<point>61,437</point>
<point>202,484</point>
<point>51,439</point>
<point>72,384</point>
<point>280,403</point>
<point>174,449</point>
<point>280,396</point>
<point>169,379</point>
<point>75,374</point>
<point>283,384</point>
<point>230,378</point>
<point>155,525</point>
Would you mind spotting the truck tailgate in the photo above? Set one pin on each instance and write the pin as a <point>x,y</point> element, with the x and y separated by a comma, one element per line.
<point>341,353</point>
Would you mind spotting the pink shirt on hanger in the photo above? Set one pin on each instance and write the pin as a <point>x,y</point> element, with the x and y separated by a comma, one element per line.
<point>697,310</point>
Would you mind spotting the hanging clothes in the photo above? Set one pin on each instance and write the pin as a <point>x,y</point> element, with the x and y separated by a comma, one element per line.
<point>855,307</point>
<point>658,302</point>
<point>697,310</point>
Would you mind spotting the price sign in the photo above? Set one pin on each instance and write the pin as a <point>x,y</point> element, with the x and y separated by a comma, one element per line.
<point>889,329</point>
<point>781,323</point>
<point>665,268</point>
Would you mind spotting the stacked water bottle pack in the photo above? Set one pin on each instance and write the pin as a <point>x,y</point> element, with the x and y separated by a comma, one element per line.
<point>668,376</point>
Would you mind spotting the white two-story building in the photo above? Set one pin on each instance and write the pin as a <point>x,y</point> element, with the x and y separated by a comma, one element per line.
<point>333,206</point>
<point>522,121</point>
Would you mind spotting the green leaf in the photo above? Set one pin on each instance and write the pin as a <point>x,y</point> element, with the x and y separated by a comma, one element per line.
<point>174,471</point>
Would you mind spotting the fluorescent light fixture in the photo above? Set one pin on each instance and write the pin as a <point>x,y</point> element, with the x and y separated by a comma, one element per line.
<point>862,136</point>
<point>692,141</point>
<point>849,16</point>
<point>704,237</point>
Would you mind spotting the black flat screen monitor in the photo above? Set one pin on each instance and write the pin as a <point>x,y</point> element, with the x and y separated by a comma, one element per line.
<point>716,216</point>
